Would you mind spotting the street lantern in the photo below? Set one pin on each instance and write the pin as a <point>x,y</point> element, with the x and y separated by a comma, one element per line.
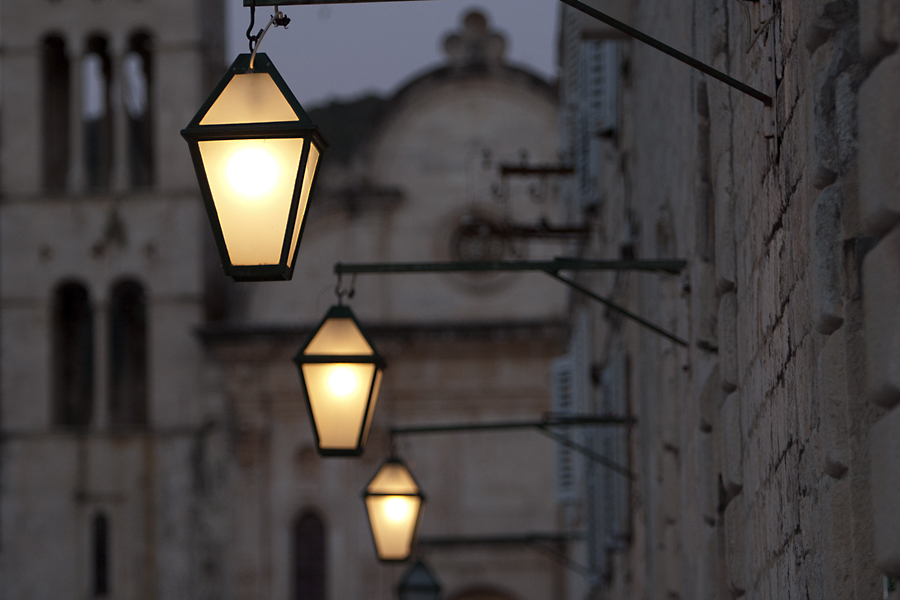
<point>394,504</point>
<point>419,583</point>
<point>341,375</point>
<point>256,154</point>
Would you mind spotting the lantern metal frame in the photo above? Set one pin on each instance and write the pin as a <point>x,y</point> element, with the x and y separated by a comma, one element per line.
<point>394,459</point>
<point>406,585</point>
<point>340,311</point>
<point>303,128</point>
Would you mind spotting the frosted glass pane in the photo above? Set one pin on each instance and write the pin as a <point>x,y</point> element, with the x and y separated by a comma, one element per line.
<point>338,395</point>
<point>375,389</point>
<point>252,184</point>
<point>311,163</point>
<point>393,520</point>
<point>250,98</point>
<point>339,336</point>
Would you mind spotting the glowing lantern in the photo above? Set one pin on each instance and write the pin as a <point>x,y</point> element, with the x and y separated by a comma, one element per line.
<point>394,503</point>
<point>256,154</point>
<point>341,375</point>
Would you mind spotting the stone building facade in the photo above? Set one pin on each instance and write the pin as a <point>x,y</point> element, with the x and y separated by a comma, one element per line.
<point>153,437</point>
<point>766,453</point>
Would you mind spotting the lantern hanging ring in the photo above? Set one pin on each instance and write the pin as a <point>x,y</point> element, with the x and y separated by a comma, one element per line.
<point>340,292</point>
<point>279,19</point>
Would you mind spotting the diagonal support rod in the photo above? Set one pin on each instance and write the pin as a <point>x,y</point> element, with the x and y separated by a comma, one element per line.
<point>592,12</point>
<point>550,267</point>
<point>544,425</point>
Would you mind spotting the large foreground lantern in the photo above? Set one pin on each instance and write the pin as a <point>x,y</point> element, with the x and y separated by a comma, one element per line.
<point>419,583</point>
<point>394,503</point>
<point>341,375</point>
<point>256,154</point>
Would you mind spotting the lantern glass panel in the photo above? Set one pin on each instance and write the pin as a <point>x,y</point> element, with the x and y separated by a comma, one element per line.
<point>393,520</point>
<point>375,389</point>
<point>339,337</point>
<point>311,162</point>
<point>338,394</point>
<point>252,182</point>
<point>250,98</point>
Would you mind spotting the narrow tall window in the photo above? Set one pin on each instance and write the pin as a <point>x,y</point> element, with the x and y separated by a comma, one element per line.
<point>136,85</point>
<point>96,71</point>
<point>128,355</point>
<point>309,558</point>
<point>73,356</point>
<point>100,556</point>
<point>55,109</point>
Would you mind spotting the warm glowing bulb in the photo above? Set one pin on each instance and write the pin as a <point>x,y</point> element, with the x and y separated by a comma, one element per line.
<point>252,172</point>
<point>396,508</point>
<point>342,381</point>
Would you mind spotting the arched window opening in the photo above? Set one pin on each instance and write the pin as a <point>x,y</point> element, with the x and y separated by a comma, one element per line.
<point>309,558</point>
<point>100,556</point>
<point>73,356</point>
<point>128,355</point>
<point>55,113</point>
<point>137,69</point>
<point>96,78</point>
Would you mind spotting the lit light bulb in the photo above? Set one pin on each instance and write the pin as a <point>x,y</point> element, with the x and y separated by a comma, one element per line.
<point>252,172</point>
<point>396,508</point>
<point>342,381</point>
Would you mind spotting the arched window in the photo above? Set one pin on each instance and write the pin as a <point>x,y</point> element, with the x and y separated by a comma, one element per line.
<point>128,354</point>
<point>309,558</point>
<point>73,356</point>
<point>100,556</point>
<point>96,77</point>
<point>137,70</point>
<point>55,113</point>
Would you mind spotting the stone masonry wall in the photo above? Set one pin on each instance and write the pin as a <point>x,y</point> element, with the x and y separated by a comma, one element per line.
<point>757,461</point>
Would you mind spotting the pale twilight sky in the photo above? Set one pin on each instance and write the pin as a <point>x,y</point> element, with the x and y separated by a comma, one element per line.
<point>347,50</point>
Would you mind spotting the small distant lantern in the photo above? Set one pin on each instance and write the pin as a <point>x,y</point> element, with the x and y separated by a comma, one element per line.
<point>341,374</point>
<point>394,503</point>
<point>256,154</point>
<point>419,583</point>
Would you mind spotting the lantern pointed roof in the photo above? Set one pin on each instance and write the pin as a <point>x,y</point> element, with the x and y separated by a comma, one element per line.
<point>339,335</point>
<point>393,478</point>
<point>249,96</point>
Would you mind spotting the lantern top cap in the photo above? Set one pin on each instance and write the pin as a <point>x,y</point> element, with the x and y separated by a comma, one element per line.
<point>393,479</point>
<point>419,578</point>
<point>339,334</point>
<point>257,95</point>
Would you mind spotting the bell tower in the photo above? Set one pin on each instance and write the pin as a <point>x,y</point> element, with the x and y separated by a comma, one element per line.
<point>106,438</point>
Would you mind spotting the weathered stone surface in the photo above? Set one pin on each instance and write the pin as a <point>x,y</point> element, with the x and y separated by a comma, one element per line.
<point>881,295</point>
<point>728,349</point>
<point>832,397</point>
<point>733,463</point>
<point>735,547</point>
<point>885,439</point>
<point>827,258</point>
<point>879,147</point>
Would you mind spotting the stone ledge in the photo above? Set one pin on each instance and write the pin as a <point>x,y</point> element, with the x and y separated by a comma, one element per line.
<point>879,147</point>
<point>881,299</point>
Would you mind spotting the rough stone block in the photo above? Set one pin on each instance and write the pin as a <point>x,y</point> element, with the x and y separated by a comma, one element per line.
<point>735,548</point>
<point>885,441</point>
<point>879,27</point>
<point>711,398</point>
<point>879,146</point>
<point>881,298</point>
<point>832,397</point>
<point>733,464</point>
<point>728,341</point>
<point>827,258</point>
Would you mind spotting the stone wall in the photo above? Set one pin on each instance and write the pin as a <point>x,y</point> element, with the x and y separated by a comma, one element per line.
<point>756,473</point>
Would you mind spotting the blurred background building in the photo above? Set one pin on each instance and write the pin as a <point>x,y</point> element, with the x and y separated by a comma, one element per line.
<point>154,438</point>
